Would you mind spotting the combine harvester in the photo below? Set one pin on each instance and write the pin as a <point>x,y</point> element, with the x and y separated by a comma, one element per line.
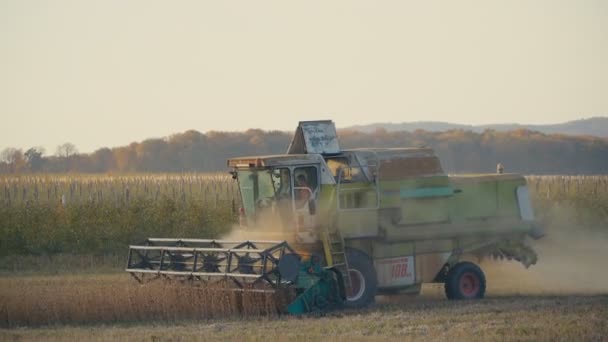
<point>346,225</point>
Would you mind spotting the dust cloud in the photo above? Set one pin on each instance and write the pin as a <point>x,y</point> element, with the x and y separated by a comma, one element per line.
<point>257,232</point>
<point>571,260</point>
<point>268,227</point>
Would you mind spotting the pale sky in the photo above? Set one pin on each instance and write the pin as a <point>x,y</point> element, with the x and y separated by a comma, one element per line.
<point>109,72</point>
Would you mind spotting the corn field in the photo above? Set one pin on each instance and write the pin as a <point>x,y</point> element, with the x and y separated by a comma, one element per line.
<point>101,214</point>
<point>562,187</point>
<point>210,188</point>
<point>572,202</point>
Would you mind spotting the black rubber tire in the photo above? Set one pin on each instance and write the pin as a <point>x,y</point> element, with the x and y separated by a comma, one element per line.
<point>362,263</point>
<point>465,280</point>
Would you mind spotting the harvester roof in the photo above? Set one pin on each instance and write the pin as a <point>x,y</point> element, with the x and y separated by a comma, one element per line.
<point>274,160</point>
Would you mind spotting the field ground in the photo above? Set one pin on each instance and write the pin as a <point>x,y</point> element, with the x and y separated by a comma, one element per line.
<point>534,318</point>
<point>519,306</point>
<point>563,297</point>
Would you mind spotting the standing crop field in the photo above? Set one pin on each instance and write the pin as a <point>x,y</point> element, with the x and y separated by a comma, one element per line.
<point>211,188</point>
<point>571,202</point>
<point>102,214</point>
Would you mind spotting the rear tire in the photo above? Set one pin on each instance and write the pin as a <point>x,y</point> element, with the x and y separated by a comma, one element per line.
<point>465,280</point>
<point>363,279</point>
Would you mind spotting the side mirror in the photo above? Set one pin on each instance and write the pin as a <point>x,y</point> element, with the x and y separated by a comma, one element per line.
<point>457,191</point>
<point>312,207</point>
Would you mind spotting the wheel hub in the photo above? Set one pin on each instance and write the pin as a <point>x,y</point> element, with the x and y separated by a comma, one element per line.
<point>469,284</point>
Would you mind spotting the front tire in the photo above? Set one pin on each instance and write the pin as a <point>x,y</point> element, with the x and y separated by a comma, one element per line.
<point>465,280</point>
<point>364,282</point>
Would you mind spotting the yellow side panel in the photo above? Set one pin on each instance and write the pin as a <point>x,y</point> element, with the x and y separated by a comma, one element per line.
<point>358,223</point>
<point>389,250</point>
<point>427,210</point>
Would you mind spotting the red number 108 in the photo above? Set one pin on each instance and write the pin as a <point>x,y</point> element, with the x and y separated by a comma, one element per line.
<point>399,270</point>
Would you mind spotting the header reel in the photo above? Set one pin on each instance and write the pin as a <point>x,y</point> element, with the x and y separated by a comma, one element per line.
<point>253,263</point>
<point>244,266</point>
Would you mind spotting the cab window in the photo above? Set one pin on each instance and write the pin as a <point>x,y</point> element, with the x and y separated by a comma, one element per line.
<point>306,177</point>
<point>281,179</point>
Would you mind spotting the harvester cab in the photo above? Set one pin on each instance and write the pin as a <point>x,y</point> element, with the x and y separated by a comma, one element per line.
<point>280,193</point>
<point>339,226</point>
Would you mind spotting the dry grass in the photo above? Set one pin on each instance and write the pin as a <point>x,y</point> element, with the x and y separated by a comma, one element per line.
<point>35,301</point>
<point>56,264</point>
<point>532,318</point>
<point>77,307</point>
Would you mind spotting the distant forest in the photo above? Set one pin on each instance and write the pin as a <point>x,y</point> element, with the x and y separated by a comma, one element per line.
<point>595,126</point>
<point>461,151</point>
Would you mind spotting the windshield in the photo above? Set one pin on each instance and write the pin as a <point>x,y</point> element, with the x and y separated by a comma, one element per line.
<point>255,185</point>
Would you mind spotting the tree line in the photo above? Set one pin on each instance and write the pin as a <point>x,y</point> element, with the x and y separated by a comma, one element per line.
<point>460,151</point>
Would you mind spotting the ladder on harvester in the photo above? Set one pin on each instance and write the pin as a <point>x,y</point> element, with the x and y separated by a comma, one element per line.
<point>335,255</point>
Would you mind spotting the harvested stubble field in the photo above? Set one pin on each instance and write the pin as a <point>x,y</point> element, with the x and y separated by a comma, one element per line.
<point>505,315</point>
<point>78,299</point>
<point>76,291</point>
<point>564,297</point>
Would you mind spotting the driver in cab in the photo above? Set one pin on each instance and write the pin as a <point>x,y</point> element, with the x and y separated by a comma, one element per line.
<point>303,190</point>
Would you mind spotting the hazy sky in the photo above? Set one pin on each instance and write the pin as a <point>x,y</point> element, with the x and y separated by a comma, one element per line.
<point>109,72</point>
